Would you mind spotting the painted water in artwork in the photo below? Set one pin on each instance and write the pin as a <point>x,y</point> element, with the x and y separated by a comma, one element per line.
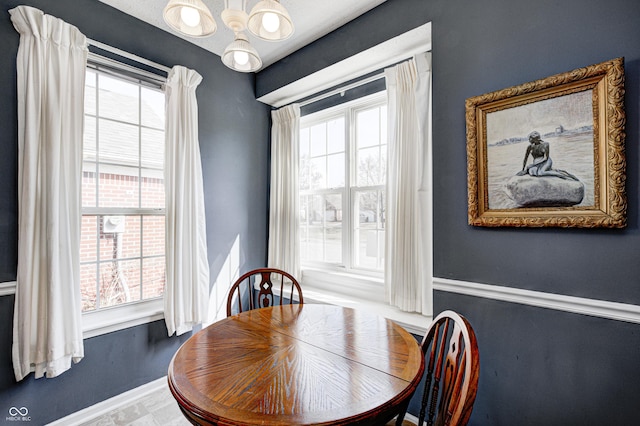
<point>564,122</point>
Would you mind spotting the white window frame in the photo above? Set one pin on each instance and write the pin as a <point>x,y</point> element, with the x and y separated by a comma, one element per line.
<point>343,279</point>
<point>114,318</point>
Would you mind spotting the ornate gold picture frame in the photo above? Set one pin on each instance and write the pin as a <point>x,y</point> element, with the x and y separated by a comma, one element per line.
<point>550,153</point>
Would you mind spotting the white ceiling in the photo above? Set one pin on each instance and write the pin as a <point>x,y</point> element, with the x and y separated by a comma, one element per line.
<point>312,19</point>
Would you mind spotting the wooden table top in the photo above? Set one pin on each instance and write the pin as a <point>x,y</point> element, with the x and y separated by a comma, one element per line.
<point>296,365</point>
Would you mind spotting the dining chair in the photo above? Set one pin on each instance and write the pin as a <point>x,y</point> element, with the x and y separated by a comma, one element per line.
<point>243,297</point>
<point>452,365</point>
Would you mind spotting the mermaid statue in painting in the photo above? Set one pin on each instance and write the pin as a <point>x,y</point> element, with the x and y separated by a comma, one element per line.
<point>542,164</point>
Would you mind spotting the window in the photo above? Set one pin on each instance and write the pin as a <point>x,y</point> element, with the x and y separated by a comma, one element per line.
<point>122,253</point>
<point>343,153</point>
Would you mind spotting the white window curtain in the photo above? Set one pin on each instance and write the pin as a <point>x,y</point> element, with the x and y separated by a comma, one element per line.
<point>284,245</point>
<point>186,295</point>
<point>408,249</point>
<point>47,328</point>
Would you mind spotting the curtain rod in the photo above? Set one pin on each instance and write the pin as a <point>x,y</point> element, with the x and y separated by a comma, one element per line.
<point>342,89</point>
<point>128,55</point>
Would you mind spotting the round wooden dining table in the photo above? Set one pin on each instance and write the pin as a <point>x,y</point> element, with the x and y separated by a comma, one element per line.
<point>307,364</point>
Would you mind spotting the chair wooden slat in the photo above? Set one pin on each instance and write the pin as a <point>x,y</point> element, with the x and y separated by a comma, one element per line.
<point>263,279</point>
<point>453,366</point>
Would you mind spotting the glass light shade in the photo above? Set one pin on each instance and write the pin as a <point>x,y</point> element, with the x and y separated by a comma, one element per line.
<point>189,17</point>
<point>270,21</point>
<point>241,56</point>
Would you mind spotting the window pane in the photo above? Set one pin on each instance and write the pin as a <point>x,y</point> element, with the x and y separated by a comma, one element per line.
<point>333,229</point>
<point>367,207</point>
<point>124,234</point>
<point>153,193</point>
<point>152,108</point>
<point>335,171</point>
<point>368,128</point>
<point>318,170</point>
<point>370,249</point>
<point>89,185</point>
<point>369,233</point>
<point>317,210</point>
<point>89,139</point>
<point>318,141</point>
<point>118,99</point>
<point>153,231</point>
<point>118,189</point>
<point>371,170</point>
<point>119,282</point>
<point>313,244</point>
<point>305,165</point>
<point>152,184</point>
<point>153,277</point>
<point>88,286</point>
<point>118,151</point>
<point>304,142</point>
<point>304,210</point>
<point>335,135</point>
<point>383,124</point>
<point>118,143</point>
<point>90,93</point>
<point>305,172</point>
<point>383,164</point>
<point>152,150</point>
<point>88,239</point>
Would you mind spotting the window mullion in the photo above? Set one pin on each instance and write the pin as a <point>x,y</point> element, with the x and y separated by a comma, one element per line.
<point>141,273</point>
<point>351,158</point>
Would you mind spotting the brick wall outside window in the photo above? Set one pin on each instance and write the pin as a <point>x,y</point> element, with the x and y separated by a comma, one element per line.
<point>118,257</point>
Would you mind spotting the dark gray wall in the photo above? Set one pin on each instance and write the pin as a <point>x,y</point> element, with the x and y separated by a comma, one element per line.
<point>234,140</point>
<point>538,366</point>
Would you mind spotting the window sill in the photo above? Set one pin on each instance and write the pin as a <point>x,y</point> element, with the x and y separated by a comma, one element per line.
<point>112,319</point>
<point>121,317</point>
<point>334,294</point>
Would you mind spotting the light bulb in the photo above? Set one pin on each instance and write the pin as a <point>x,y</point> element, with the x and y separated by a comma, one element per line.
<point>190,16</point>
<point>240,57</point>
<point>270,22</point>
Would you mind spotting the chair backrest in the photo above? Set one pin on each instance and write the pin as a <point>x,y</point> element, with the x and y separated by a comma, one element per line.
<point>452,367</point>
<point>262,280</point>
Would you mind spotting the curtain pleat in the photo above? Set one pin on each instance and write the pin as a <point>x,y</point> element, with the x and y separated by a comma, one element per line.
<point>408,252</point>
<point>284,207</point>
<point>187,284</point>
<point>51,63</point>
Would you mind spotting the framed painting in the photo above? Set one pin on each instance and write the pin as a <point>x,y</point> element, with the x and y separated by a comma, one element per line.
<point>549,153</point>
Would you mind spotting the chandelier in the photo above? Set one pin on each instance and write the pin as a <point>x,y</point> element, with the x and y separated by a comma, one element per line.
<point>268,20</point>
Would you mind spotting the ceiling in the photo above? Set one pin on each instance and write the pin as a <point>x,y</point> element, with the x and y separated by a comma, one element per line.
<point>312,19</point>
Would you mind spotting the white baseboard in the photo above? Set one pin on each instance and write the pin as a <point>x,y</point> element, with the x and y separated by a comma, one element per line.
<point>410,417</point>
<point>110,404</point>
<point>577,305</point>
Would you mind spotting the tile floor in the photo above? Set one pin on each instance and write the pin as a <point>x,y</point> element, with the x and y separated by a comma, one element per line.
<point>156,409</point>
